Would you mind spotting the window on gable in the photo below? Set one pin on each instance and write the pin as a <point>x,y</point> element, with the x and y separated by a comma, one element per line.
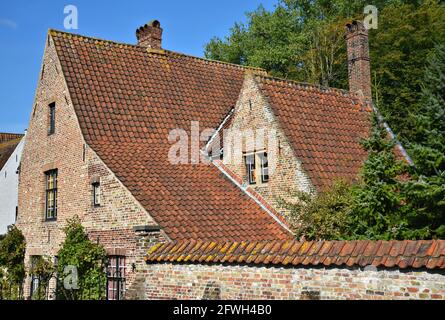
<point>52,118</point>
<point>264,167</point>
<point>96,194</point>
<point>116,278</point>
<point>249,160</point>
<point>51,195</point>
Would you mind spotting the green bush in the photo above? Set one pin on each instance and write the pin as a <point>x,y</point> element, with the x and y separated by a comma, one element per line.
<point>89,258</point>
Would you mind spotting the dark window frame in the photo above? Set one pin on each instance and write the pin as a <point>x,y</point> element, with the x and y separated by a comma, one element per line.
<point>264,166</point>
<point>116,277</point>
<point>52,118</point>
<point>51,194</point>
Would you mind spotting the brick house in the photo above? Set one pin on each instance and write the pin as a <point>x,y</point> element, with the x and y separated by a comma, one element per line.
<point>98,146</point>
<point>11,146</point>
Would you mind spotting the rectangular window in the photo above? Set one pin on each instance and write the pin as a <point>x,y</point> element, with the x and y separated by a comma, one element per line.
<point>250,168</point>
<point>52,118</point>
<point>264,167</point>
<point>51,195</point>
<point>96,194</point>
<point>116,278</point>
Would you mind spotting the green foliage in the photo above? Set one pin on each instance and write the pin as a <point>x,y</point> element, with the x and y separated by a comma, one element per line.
<point>426,194</point>
<point>372,208</point>
<point>90,260</point>
<point>12,254</point>
<point>378,201</point>
<point>12,266</point>
<point>43,269</point>
<point>407,33</point>
<point>321,216</point>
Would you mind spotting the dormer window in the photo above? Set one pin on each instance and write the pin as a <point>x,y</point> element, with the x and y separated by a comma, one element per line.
<point>52,118</point>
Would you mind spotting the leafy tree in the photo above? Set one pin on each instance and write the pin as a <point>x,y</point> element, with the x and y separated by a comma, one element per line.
<point>90,260</point>
<point>12,266</point>
<point>407,33</point>
<point>321,216</point>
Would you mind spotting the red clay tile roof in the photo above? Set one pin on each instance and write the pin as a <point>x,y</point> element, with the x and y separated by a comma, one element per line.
<point>128,99</point>
<point>385,254</point>
<point>8,143</point>
<point>324,126</point>
<point>4,137</point>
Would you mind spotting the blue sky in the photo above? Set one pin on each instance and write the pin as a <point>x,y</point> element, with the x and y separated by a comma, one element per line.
<point>187,25</point>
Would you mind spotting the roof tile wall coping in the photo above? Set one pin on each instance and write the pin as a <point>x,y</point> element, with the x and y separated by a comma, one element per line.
<point>428,254</point>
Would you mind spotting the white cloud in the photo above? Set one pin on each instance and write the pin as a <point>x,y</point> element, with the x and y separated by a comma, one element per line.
<point>7,23</point>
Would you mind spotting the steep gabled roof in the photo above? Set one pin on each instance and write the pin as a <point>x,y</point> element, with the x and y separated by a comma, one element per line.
<point>128,99</point>
<point>324,126</point>
<point>8,143</point>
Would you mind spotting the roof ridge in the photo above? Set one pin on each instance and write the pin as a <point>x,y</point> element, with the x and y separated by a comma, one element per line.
<point>307,84</point>
<point>54,31</point>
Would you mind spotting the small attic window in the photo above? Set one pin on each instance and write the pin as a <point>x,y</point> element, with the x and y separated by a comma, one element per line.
<point>52,118</point>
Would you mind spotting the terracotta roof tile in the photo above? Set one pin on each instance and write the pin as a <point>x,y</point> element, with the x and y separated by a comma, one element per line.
<point>348,253</point>
<point>128,99</point>
<point>324,125</point>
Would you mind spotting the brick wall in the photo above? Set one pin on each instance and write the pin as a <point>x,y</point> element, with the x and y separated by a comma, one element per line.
<point>78,166</point>
<point>245,282</point>
<point>252,114</point>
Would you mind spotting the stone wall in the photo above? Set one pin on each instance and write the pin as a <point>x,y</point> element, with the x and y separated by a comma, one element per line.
<point>246,282</point>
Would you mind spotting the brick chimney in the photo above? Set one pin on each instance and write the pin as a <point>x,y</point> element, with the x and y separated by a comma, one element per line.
<point>150,35</point>
<point>358,59</point>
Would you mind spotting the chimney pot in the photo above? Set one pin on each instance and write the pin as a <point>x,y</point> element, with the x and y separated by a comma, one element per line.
<point>358,59</point>
<point>150,35</point>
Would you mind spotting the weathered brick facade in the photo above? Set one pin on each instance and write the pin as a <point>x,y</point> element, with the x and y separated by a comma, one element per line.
<point>111,223</point>
<point>248,282</point>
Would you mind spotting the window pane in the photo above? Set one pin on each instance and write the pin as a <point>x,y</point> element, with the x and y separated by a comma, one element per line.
<point>52,118</point>
<point>264,167</point>
<point>51,194</point>
<point>116,278</point>
<point>250,168</point>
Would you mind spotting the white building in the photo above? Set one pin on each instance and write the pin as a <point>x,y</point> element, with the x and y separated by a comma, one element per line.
<point>11,146</point>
